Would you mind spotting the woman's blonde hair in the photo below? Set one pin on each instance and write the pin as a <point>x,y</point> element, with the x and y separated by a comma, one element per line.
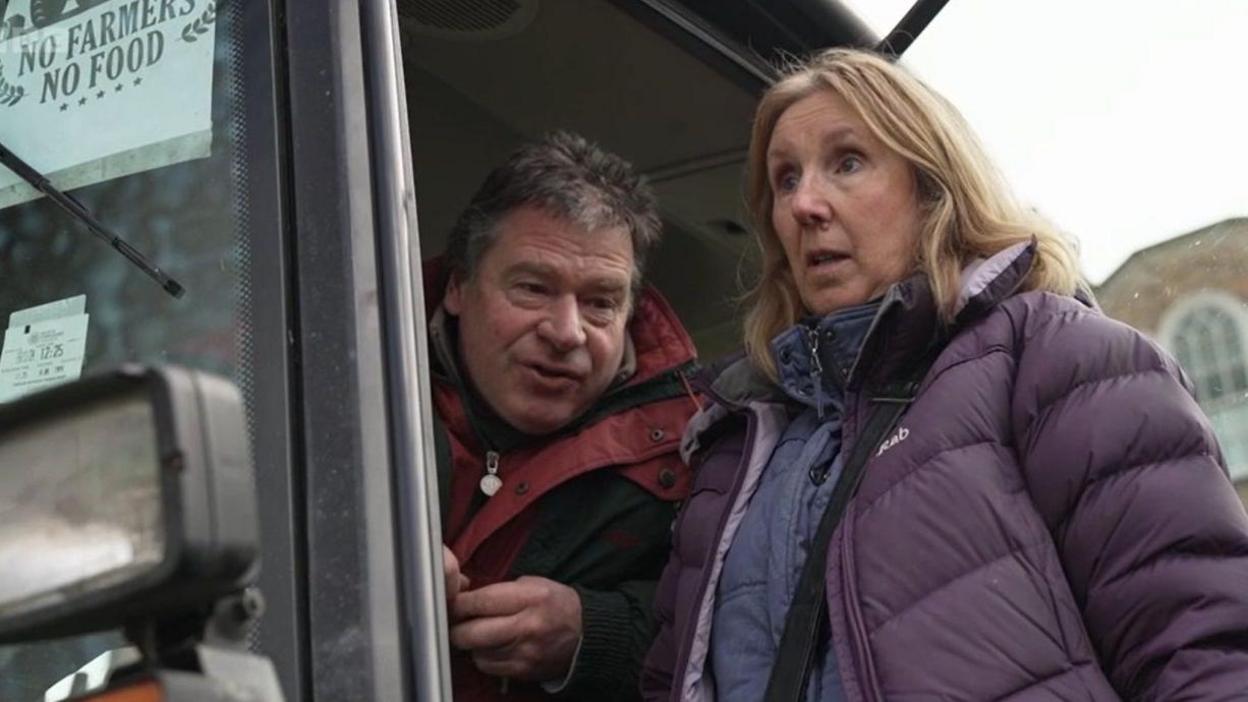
<point>967,210</point>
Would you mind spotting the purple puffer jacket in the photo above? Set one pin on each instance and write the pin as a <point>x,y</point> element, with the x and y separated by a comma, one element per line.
<point>1051,519</point>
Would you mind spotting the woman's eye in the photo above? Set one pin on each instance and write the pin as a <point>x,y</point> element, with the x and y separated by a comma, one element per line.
<point>786,182</point>
<point>849,164</point>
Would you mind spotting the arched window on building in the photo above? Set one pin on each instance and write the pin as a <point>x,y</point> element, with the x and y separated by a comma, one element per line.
<point>1208,334</point>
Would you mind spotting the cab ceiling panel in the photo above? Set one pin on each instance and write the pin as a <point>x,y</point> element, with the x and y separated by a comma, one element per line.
<point>585,65</point>
<point>775,29</point>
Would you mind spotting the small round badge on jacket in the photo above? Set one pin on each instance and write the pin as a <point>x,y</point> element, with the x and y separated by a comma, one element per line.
<point>490,484</point>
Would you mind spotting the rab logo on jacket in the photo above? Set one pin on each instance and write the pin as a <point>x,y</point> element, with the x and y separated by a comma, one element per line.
<point>893,440</point>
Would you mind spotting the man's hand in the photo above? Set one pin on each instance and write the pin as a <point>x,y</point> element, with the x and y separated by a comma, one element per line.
<point>527,629</point>
<point>456,581</point>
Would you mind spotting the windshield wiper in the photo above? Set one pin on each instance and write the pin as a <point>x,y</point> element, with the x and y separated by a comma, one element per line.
<point>80,212</point>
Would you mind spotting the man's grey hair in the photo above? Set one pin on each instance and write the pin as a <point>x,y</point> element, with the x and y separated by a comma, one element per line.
<point>567,177</point>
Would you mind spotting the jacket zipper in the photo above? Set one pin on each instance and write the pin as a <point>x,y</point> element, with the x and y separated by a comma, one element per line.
<point>816,371</point>
<point>818,472</point>
<point>480,496</point>
<point>490,482</point>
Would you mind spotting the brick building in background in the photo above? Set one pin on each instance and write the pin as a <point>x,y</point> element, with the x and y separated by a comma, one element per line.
<point>1190,293</point>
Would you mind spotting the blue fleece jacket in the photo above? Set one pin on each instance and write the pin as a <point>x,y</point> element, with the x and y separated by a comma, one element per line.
<point>765,560</point>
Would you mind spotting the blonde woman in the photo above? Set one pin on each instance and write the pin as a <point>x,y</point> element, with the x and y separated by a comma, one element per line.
<point>939,472</point>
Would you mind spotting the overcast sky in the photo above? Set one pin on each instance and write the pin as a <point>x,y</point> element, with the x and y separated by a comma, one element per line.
<point>1125,122</point>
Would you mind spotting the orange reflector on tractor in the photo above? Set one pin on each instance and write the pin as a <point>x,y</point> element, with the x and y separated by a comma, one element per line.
<point>146,691</point>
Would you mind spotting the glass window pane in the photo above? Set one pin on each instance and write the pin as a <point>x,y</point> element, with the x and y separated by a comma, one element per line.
<point>1231,425</point>
<point>1216,387</point>
<point>1239,378</point>
<point>1183,352</point>
<point>1234,347</point>
<point>1206,347</point>
<point>144,123</point>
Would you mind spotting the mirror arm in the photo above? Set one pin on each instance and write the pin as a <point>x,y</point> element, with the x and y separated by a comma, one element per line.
<point>171,642</point>
<point>209,645</point>
<point>233,618</point>
<point>168,642</point>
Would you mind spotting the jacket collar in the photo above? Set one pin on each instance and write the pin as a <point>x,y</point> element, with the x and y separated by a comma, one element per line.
<point>908,327</point>
<point>986,282</point>
<point>905,327</point>
<point>816,357</point>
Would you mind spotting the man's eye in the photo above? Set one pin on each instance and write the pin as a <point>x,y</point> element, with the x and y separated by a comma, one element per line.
<point>601,310</point>
<point>603,304</point>
<point>532,288</point>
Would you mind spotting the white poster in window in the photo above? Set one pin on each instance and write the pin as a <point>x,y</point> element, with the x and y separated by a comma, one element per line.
<point>92,90</point>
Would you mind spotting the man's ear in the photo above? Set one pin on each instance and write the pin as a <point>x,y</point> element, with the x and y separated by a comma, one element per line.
<point>453,301</point>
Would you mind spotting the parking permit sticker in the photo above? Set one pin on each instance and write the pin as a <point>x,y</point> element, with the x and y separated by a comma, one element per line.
<point>43,346</point>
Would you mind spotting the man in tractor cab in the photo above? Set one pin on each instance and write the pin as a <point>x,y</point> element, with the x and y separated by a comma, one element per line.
<point>561,397</point>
